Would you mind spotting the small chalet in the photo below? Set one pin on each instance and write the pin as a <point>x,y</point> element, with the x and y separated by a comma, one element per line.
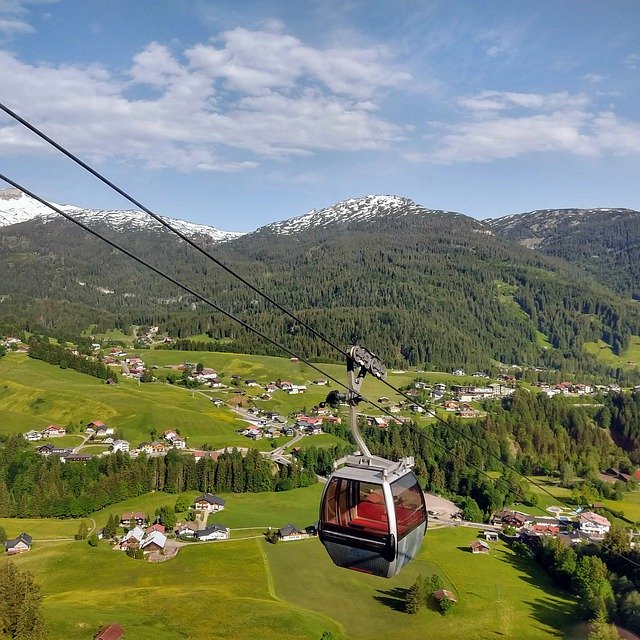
<point>209,502</point>
<point>131,517</point>
<point>111,632</point>
<point>444,594</point>
<point>92,427</point>
<point>132,539</point>
<point>490,536</point>
<point>104,432</point>
<point>18,545</point>
<point>479,546</point>
<point>321,382</point>
<point>213,532</point>
<point>32,436</point>
<point>291,532</point>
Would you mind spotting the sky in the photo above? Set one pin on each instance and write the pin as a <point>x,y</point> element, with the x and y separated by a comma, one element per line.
<point>240,113</point>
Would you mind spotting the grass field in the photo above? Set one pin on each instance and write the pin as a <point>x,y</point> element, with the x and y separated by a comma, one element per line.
<point>246,588</point>
<point>499,595</point>
<point>34,394</point>
<point>42,528</point>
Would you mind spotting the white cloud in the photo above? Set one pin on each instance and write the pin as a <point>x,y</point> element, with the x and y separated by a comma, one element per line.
<point>222,106</point>
<point>632,61</point>
<point>506,125</point>
<point>14,14</point>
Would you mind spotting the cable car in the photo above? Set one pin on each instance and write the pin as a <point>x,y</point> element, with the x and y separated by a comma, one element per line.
<point>373,515</point>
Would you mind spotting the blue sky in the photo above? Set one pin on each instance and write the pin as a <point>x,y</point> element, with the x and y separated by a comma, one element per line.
<point>236,114</point>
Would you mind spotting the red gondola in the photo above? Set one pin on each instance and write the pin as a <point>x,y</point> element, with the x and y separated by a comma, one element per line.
<point>373,515</point>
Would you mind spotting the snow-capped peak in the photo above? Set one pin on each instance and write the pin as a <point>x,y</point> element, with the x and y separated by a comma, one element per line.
<point>16,207</point>
<point>351,210</point>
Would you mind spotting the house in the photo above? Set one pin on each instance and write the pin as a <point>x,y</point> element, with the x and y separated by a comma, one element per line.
<point>129,517</point>
<point>187,530</point>
<point>18,545</point>
<point>321,382</point>
<point>53,431</point>
<point>479,546</point>
<point>170,434</point>
<point>594,524</point>
<point>92,427</point>
<point>132,539</point>
<point>213,532</point>
<point>251,383</point>
<point>209,502</point>
<point>291,532</point>
<point>47,450</point>
<point>75,457</point>
<point>444,594</point>
<point>32,436</point>
<point>509,518</point>
<point>110,632</point>
<point>120,445</point>
<point>104,431</point>
<point>155,527</point>
<point>154,541</point>
<point>490,536</point>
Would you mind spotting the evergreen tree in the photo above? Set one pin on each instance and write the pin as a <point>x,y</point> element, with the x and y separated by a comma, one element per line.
<point>20,604</point>
<point>415,596</point>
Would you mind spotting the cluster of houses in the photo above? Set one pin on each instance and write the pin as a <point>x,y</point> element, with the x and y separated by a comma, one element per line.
<point>586,526</point>
<point>52,431</point>
<point>268,424</point>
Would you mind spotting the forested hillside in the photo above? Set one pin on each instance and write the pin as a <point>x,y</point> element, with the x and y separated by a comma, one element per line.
<point>603,243</point>
<point>422,287</point>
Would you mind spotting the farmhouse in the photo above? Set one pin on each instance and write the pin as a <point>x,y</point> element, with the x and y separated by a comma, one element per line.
<point>53,431</point>
<point>209,502</point>
<point>130,517</point>
<point>18,545</point>
<point>92,427</point>
<point>32,436</point>
<point>110,632</point>
<point>213,532</point>
<point>479,546</point>
<point>47,450</point>
<point>291,532</point>
<point>154,541</point>
<point>594,524</point>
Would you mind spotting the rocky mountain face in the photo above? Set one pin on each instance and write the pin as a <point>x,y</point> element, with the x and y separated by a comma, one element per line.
<point>603,243</point>
<point>418,286</point>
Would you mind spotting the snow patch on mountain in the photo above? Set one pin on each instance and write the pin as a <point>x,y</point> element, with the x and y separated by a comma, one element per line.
<point>352,210</point>
<point>16,207</point>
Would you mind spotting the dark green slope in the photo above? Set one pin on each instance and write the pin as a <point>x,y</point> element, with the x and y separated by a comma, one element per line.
<point>415,285</point>
<point>603,243</point>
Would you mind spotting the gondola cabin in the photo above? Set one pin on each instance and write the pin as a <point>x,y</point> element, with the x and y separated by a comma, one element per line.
<point>373,515</point>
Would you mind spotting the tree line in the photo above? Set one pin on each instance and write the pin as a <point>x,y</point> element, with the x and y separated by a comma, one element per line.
<point>35,486</point>
<point>42,349</point>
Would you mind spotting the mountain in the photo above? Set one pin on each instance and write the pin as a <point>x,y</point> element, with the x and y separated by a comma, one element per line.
<point>16,207</point>
<point>416,285</point>
<point>603,243</point>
